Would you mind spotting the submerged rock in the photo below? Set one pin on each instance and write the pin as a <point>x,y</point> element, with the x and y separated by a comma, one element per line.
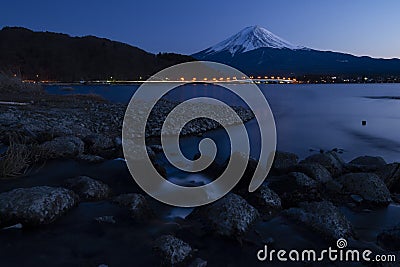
<point>230,216</point>
<point>330,160</point>
<point>35,206</point>
<point>283,161</point>
<point>368,185</point>
<point>90,158</point>
<point>105,219</point>
<point>88,188</point>
<point>173,251</point>
<point>322,217</point>
<point>61,147</point>
<point>137,204</point>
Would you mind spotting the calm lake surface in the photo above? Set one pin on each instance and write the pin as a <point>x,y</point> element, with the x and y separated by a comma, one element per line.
<point>308,117</point>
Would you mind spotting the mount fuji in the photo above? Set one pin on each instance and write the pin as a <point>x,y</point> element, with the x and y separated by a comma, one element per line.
<point>257,51</point>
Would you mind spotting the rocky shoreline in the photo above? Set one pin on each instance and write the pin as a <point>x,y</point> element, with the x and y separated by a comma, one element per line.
<point>307,194</point>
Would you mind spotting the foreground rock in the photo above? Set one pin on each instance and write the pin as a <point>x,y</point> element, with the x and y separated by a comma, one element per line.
<point>294,188</point>
<point>265,200</point>
<point>330,160</point>
<point>322,217</point>
<point>173,251</point>
<point>88,189</point>
<point>390,174</point>
<point>367,185</point>
<point>230,216</point>
<point>365,164</point>
<point>62,147</point>
<point>390,239</point>
<point>283,161</point>
<point>137,204</point>
<point>313,170</point>
<point>35,206</point>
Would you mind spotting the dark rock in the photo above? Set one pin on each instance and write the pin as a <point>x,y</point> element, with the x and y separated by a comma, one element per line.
<point>283,161</point>
<point>368,161</point>
<point>294,188</point>
<point>35,206</point>
<point>314,170</point>
<point>368,185</point>
<point>173,251</point>
<point>265,200</point>
<point>390,239</point>
<point>390,174</point>
<point>198,263</point>
<point>90,158</point>
<point>330,160</point>
<point>105,219</point>
<point>230,216</point>
<point>136,203</point>
<point>88,188</point>
<point>102,145</point>
<point>61,147</point>
<point>322,217</point>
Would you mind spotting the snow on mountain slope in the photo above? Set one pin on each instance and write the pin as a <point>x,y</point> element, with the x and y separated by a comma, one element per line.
<point>251,38</point>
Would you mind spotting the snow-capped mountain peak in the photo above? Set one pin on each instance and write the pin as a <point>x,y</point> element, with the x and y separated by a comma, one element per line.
<point>251,38</point>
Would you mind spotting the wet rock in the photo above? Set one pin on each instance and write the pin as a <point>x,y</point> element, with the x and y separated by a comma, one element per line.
<point>230,216</point>
<point>198,263</point>
<point>99,144</point>
<point>313,170</point>
<point>283,161</point>
<point>368,185</point>
<point>294,188</point>
<point>322,217</point>
<point>61,147</point>
<point>330,160</point>
<point>35,206</point>
<point>390,174</point>
<point>90,158</point>
<point>390,238</point>
<point>173,251</point>
<point>368,161</point>
<point>136,203</point>
<point>88,188</point>
<point>105,219</point>
<point>265,200</point>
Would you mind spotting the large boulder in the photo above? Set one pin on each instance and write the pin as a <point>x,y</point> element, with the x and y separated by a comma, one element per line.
<point>265,200</point>
<point>390,238</point>
<point>330,160</point>
<point>283,161</point>
<point>173,251</point>
<point>230,216</point>
<point>322,217</point>
<point>390,174</point>
<point>294,188</point>
<point>88,189</point>
<point>367,185</point>
<point>62,147</point>
<point>35,206</point>
<point>137,205</point>
<point>102,145</point>
<point>313,170</point>
<point>365,164</point>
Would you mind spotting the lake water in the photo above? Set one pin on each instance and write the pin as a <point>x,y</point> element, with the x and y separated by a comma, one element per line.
<point>308,117</point>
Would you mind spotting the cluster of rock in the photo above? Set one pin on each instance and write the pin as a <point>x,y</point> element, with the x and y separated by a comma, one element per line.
<point>306,192</point>
<point>88,131</point>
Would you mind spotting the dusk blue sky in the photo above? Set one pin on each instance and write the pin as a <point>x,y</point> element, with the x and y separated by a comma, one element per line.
<point>361,27</point>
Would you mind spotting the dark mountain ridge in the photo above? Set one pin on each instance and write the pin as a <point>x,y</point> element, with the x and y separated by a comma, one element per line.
<point>60,57</point>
